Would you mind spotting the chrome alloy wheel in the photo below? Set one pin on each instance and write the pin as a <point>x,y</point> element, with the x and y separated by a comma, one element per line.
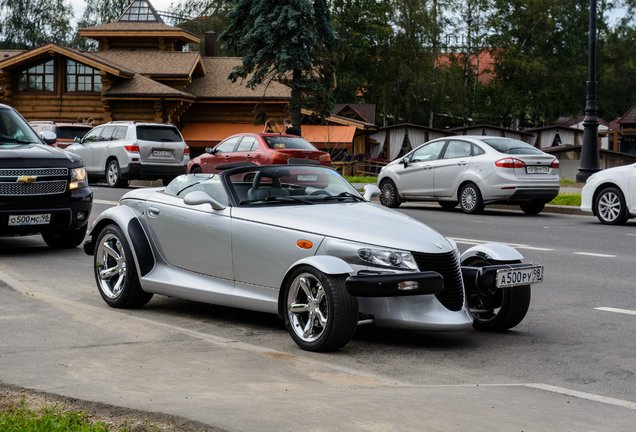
<point>307,307</point>
<point>112,173</point>
<point>110,266</point>
<point>609,206</point>
<point>469,198</point>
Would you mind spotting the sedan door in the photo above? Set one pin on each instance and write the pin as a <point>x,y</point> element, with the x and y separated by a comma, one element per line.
<point>451,167</point>
<point>631,191</point>
<point>222,154</point>
<point>416,177</point>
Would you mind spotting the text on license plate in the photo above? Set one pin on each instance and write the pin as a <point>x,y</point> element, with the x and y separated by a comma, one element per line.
<point>162,153</point>
<point>34,219</point>
<point>516,277</point>
<point>533,169</point>
<point>307,177</point>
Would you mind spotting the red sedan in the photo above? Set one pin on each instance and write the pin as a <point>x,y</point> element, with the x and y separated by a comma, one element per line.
<point>261,149</point>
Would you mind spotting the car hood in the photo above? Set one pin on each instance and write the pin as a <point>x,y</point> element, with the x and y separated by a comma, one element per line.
<point>35,156</point>
<point>367,223</point>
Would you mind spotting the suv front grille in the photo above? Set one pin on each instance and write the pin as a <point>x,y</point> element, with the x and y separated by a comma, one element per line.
<point>48,181</point>
<point>446,264</point>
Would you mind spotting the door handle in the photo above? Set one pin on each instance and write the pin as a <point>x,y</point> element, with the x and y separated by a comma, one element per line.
<point>462,163</point>
<point>153,212</point>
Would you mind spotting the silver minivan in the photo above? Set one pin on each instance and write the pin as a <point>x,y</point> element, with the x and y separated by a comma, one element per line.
<point>125,150</point>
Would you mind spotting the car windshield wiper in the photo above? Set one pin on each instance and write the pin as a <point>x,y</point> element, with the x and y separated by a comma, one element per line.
<point>342,196</point>
<point>278,198</point>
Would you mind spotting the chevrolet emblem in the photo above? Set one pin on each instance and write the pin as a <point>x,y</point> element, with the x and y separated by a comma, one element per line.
<point>27,179</point>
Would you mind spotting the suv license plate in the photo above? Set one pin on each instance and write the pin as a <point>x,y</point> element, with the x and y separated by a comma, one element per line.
<point>518,277</point>
<point>533,169</point>
<point>35,219</point>
<point>162,153</point>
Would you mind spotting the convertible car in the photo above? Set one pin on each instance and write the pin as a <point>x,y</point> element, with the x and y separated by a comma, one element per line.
<point>301,242</point>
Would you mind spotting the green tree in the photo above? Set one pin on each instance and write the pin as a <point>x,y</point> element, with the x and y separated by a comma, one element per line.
<point>287,40</point>
<point>616,72</point>
<point>199,16</point>
<point>31,23</point>
<point>97,12</point>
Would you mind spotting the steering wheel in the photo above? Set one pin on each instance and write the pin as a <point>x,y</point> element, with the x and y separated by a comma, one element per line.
<point>320,192</point>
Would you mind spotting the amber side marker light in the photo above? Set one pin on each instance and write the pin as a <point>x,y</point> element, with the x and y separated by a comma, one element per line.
<point>304,244</point>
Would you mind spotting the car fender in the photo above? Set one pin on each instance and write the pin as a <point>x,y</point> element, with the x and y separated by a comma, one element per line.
<point>492,251</point>
<point>326,264</point>
<point>126,219</point>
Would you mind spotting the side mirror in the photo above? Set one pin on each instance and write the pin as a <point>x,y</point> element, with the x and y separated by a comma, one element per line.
<point>48,137</point>
<point>77,140</point>
<point>210,150</point>
<point>200,197</point>
<point>406,161</point>
<point>371,191</point>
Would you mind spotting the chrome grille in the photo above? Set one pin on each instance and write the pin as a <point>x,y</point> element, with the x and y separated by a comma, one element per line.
<point>32,189</point>
<point>446,264</point>
<point>17,172</point>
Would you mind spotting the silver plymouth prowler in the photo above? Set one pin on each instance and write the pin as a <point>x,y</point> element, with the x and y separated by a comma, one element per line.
<point>301,242</point>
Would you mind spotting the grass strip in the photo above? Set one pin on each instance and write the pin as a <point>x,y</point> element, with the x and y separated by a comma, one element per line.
<point>567,199</point>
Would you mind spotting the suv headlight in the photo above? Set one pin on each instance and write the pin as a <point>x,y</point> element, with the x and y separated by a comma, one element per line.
<point>388,258</point>
<point>79,179</point>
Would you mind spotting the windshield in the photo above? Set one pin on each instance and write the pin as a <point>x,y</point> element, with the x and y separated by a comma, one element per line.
<point>14,130</point>
<point>72,132</point>
<point>288,143</point>
<point>511,146</point>
<point>290,184</point>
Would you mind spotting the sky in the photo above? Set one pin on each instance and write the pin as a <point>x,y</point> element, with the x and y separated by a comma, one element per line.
<point>161,5</point>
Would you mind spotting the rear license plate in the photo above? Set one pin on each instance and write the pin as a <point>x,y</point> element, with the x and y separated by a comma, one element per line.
<point>162,153</point>
<point>307,177</point>
<point>516,277</point>
<point>35,219</point>
<point>533,169</point>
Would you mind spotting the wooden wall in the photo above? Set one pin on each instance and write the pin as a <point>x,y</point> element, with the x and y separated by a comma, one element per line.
<point>62,108</point>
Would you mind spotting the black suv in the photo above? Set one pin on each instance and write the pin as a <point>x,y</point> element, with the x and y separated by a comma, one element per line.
<point>43,189</point>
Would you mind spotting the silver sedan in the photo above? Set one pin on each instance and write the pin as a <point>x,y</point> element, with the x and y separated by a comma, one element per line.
<point>299,241</point>
<point>472,171</point>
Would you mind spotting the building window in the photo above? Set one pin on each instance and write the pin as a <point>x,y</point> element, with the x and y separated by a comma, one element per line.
<point>81,78</point>
<point>38,78</point>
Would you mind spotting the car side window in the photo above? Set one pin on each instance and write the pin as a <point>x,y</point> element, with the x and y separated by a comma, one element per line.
<point>246,144</point>
<point>228,145</point>
<point>107,133</point>
<point>457,149</point>
<point>120,132</point>
<point>478,150</point>
<point>428,152</point>
<point>92,136</point>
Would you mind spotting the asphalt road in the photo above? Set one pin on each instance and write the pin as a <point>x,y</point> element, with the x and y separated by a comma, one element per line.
<point>568,366</point>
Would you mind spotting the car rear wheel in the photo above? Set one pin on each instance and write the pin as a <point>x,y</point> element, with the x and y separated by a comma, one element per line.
<point>113,174</point>
<point>497,309</point>
<point>65,239</point>
<point>532,207</point>
<point>610,207</point>
<point>320,314</point>
<point>470,199</point>
<point>389,194</point>
<point>447,205</point>
<point>115,271</point>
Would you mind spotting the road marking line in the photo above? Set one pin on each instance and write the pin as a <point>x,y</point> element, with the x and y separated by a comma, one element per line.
<point>98,201</point>
<point>595,254</point>
<point>616,310</point>
<point>514,245</point>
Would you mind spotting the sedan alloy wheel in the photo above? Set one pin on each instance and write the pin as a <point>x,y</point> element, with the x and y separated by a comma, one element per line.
<point>610,207</point>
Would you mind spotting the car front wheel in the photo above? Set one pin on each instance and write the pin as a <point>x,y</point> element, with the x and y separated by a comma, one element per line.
<point>470,199</point>
<point>115,271</point>
<point>113,174</point>
<point>389,194</point>
<point>610,207</point>
<point>320,314</point>
<point>497,309</point>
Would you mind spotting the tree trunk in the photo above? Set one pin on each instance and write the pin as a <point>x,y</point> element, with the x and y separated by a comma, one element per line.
<point>296,98</point>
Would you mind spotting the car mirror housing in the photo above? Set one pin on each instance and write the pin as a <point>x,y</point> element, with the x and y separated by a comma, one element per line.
<point>200,197</point>
<point>48,137</point>
<point>405,161</point>
<point>210,150</point>
<point>371,191</point>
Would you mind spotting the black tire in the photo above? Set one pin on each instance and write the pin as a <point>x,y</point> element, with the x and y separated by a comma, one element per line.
<point>113,174</point>
<point>497,309</point>
<point>196,170</point>
<point>470,199</point>
<point>65,239</point>
<point>532,207</point>
<point>447,205</point>
<point>115,271</point>
<point>610,207</point>
<point>389,196</point>
<point>311,295</point>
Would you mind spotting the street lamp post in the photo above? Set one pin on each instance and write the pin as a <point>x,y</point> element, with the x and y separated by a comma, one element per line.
<point>589,151</point>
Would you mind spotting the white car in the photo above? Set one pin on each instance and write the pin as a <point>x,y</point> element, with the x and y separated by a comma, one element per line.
<point>472,171</point>
<point>611,194</point>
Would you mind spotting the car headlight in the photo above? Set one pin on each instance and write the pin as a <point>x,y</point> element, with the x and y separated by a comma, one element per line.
<point>388,258</point>
<point>79,179</point>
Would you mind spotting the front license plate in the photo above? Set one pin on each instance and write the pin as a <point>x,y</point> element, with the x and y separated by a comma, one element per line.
<point>162,153</point>
<point>533,169</point>
<point>35,219</point>
<point>517,277</point>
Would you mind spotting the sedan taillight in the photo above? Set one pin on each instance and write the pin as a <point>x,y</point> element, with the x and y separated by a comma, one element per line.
<point>131,148</point>
<point>555,164</point>
<point>324,158</point>
<point>510,163</point>
<point>279,158</point>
